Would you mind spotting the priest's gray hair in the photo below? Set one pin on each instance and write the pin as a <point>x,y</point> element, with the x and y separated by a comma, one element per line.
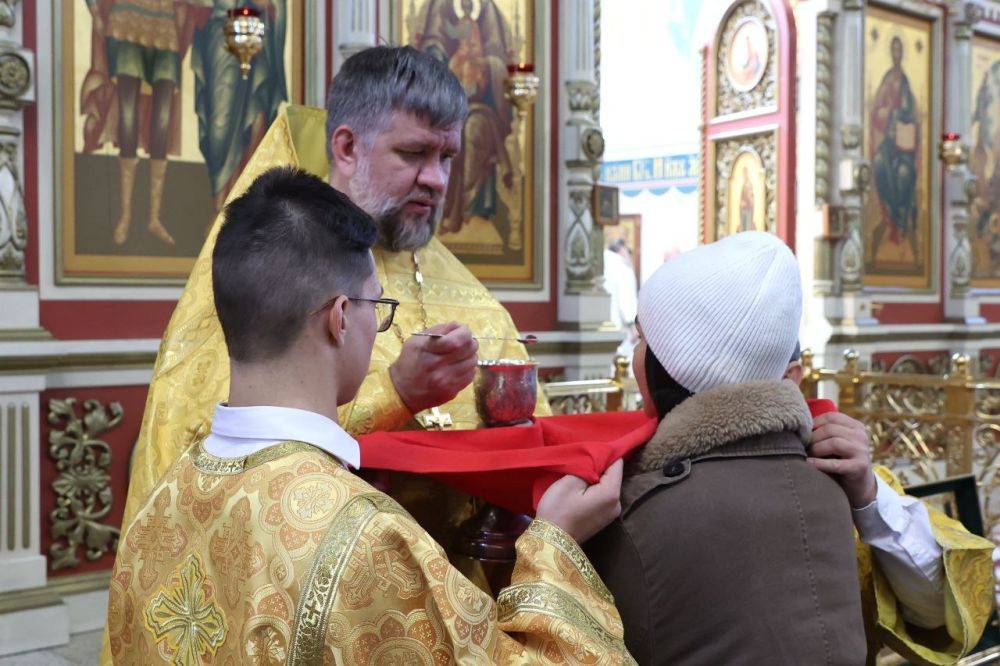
<point>374,83</point>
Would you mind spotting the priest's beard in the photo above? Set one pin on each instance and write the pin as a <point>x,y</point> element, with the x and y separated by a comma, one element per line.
<point>397,229</point>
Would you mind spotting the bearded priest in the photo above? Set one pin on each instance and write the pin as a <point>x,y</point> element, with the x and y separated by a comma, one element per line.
<point>392,126</point>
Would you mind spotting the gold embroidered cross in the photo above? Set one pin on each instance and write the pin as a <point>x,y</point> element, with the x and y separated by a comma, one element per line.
<point>436,420</point>
<point>185,616</point>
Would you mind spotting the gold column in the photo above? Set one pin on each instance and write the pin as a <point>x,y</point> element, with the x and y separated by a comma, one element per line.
<point>959,405</point>
<point>847,383</point>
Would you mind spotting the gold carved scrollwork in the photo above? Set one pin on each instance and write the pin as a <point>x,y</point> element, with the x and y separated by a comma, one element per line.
<point>901,440</point>
<point>908,364</point>
<point>578,404</point>
<point>15,75</point>
<point>986,452</point>
<point>824,103</point>
<point>13,215</point>
<point>592,142</point>
<point>8,13</point>
<point>579,250</point>
<point>595,395</point>
<point>927,421</point>
<point>850,136</point>
<point>764,91</point>
<point>964,26</point>
<point>899,435</point>
<point>83,487</point>
<point>583,96</point>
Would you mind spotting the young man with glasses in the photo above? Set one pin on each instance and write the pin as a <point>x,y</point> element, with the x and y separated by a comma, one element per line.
<point>260,544</point>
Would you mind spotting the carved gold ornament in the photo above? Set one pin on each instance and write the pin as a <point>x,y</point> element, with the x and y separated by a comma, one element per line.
<point>824,103</point>
<point>593,144</point>
<point>8,13</point>
<point>13,215</point>
<point>15,75</point>
<point>746,65</point>
<point>586,396</point>
<point>83,488</point>
<point>927,422</point>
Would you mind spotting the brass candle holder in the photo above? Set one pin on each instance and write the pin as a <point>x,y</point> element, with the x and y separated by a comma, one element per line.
<point>951,150</point>
<point>244,35</point>
<point>521,87</point>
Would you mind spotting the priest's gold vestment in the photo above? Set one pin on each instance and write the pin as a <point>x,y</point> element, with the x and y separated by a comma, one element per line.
<point>191,373</point>
<point>968,598</point>
<point>284,556</point>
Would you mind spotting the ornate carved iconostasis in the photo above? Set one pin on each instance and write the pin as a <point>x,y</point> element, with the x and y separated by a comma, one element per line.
<point>749,122</point>
<point>119,142</point>
<point>842,154</point>
<point>873,155</point>
<point>890,232</point>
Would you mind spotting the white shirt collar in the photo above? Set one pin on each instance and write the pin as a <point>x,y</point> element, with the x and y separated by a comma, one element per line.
<point>242,431</point>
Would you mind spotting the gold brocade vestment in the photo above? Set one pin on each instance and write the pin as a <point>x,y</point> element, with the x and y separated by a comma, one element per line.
<point>968,595</point>
<point>286,557</point>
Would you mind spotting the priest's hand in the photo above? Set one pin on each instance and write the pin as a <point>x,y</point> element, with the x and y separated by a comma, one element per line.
<point>841,448</point>
<point>581,510</point>
<point>431,371</point>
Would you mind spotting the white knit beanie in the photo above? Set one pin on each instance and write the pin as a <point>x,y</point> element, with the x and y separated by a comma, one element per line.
<point>724,313</point>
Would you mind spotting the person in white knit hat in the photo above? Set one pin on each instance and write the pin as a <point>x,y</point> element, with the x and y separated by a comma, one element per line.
<point>731,546</point>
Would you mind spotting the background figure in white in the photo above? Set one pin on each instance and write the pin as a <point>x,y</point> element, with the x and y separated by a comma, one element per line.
<point>621,284</point>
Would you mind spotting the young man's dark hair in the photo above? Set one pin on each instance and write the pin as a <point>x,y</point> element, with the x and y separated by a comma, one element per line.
<point>288,244</point>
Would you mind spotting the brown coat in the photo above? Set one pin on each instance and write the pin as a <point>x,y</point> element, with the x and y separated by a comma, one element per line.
<point>731,548</point>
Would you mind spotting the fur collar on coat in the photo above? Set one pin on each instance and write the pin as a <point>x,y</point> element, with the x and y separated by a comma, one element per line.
<point>725,415</point>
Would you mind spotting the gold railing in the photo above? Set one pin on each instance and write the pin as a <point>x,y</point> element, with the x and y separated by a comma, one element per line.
<point>923,427</point>
<point>594,395</point>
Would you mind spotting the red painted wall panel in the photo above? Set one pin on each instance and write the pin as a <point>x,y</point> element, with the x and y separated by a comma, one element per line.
<point>87,320</point>
<point>991,311</point>
<point>923,357</point>
<point>990,360</point>
<point>910,313</point>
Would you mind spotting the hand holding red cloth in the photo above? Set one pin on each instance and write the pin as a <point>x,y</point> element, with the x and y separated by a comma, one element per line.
<point>512,467</point>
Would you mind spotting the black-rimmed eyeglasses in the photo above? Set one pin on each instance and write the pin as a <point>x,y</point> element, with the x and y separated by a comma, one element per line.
<point>385,309</point>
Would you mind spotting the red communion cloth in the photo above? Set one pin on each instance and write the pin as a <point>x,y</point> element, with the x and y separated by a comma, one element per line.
<point>512,467</point>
